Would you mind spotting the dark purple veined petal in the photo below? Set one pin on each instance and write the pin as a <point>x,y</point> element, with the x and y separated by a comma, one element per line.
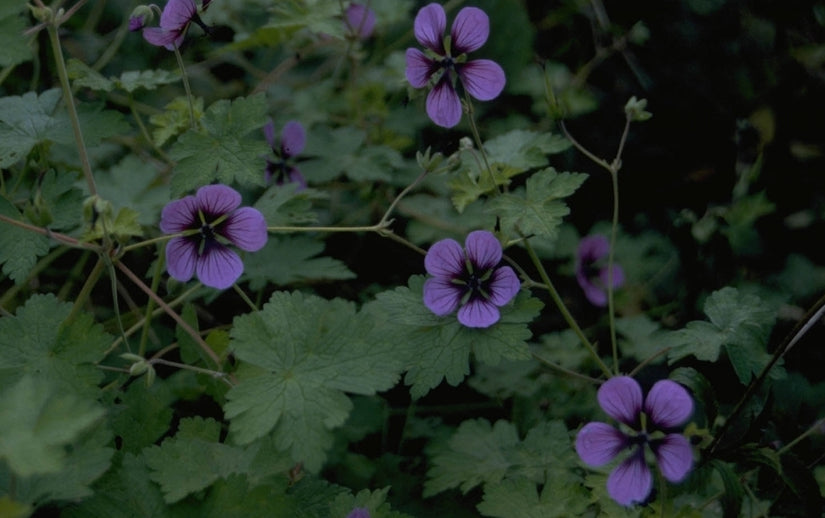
<point>360,20</point>
<point>599,443</point>
<point>483,79</point>
<point>594,294</point>
<point>631,481</point>
<point>441,296</point>
<point>177,14</point>
<point>445,258</point>
<point>269,134</point>
<point>419,68</point>
<point>429,26</point>
<point>592,248</point>
<point>483,250</point>
<point>181,257</point>
<point>163,38</point>
<point>674,456</point>
<point>218,266</point>
<point>504,285</point>
<point>621,398</point>
<point>443,104</point>
<point>470,30</point>
<point>668,404</point>
<point>217,200</point>
<point>478,313</point>
<point>293,138</point>
<point>179,215</point>
<point>246,229</point>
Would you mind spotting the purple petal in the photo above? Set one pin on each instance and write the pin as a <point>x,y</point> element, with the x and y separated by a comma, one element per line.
<point>478,313</point>
<point>441,296</point>
<point>136,23</point>
<point>443,105</point>
<point>179,215</point>
<point>360,20</point>
<point>269,134</point>
<point>419,68</point>
<point>246,229</point>
<point>598,443</point>
<point>429,26</point>
<point>668,404</point>
<point>181,257</point>
<point>445,259</point>
<point>504,285</point>
<point>219,267</point>
<point>674,456</point>
<point>595,294</point>
<point>177,14</point>
<point>162,38</point>
<point>592,248</point>
<point>293,138</point>
<point>483,250</point>
<point>359,512</point>
<point>621,398</point>
<point>295,176</point>
<point>217,200</point>
<point>631,481</point>
<point>618,276</point>
<point>470,30</point>
<point>482,78</point>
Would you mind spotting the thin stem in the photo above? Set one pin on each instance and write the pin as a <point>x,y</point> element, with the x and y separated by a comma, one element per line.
<point>63,74</point>
<point>169,311</point>
<point>57,236</point>
<point>147,315</point>
<point>215,374</point>
<point>245,297</point>
<point>477,138</point>
<point>185,79</point>
<point>86,290</point>
<point>815,428</point>
<point>583,150</point>
<point>611,308</point>
<point>565,313</point>
<point>563,370</point>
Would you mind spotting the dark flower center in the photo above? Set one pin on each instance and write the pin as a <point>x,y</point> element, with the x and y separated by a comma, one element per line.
<point>207,232</point>
<point>475,284</point>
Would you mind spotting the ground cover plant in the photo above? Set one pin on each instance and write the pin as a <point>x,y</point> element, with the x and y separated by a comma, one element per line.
<point>389,258</point>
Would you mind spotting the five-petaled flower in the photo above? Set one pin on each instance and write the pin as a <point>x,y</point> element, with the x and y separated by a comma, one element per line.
<point>446,58</point>
<point>359,512</point>
<point>471,282</point>
<point>293,140</point>
<point>652,421</point>
<point>174,20</point>
<point>592,277</point>
<point>360,21</point>
<point>206,221</point>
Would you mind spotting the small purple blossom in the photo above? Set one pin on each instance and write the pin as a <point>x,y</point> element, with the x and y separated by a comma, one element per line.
<point>141,15</point>
<point>293,140</point>
<point>174,21</point>
<point>360,20</point>
<point>446,59</point>
<point>469,280</point>
<point>592,277</point>
<point>667,406</point>
<point>359,512</point>
<point>207,221</point>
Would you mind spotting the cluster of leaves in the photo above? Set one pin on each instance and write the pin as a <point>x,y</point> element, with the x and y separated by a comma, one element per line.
<point>322,384</point>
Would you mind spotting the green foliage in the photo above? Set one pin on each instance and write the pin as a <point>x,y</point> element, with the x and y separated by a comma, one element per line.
<point>301,354</point>
<point>290,260</point>
<point>344,151</point>
<point>439,348</point>
<point>538,209</point>
<point>19,248</point>
<point>221,149</point>
<point>131,80</point>
<point>14,49</point>
<point>740,324</point>
<point>510,498</point>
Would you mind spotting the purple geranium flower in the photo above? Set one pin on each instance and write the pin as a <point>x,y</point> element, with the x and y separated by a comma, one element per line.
<point>446,58</point>
<point>293,140</point>
<point>359,512</point>
<point>471,282</point>
<point>206,221</point>
<point>667,406</point>
<point>594,278</point>
<point>360,20</point>
<point>174,20</point>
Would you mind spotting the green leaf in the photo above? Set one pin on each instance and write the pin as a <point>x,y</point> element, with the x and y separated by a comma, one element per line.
<point>221,149</point>
<point>37,341</point>
<point>343,151</point>
<point>25,121</point>
<point>38,422</point>
<point>193,459</point>
<point>19,248</point>
<point>142,415</point>
<point>175,119</point>
<point>739,323</point>
<point>439,348</point>
<point>85,76</point>
<point>289,260</point>
<point>284,205</point>
<point>301,354</point>
<point>373,501</point>
<point>132,80</point>
<point>641,337</point>
<point>478,453</point>
<point>538,210</point>
<point>318,16</point>
<point>134,184</point>
<point>15,48</point>
<point>509,498</point>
